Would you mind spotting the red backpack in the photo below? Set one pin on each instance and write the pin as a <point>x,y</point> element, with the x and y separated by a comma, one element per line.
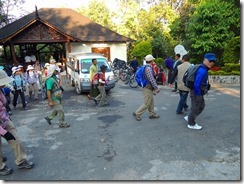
<point>95,79</point>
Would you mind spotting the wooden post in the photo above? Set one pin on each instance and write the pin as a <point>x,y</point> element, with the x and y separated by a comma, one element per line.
<point>12,51</point>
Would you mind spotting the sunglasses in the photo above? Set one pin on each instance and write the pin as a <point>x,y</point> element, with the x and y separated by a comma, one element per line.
<point>211,61</point>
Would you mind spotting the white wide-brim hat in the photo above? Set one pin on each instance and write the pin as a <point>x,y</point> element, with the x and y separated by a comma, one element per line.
<point>4,78</point>
<point>30,68</point>
<point>51,69</point>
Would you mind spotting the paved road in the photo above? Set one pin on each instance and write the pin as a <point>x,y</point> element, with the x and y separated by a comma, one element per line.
<point>109,144</point>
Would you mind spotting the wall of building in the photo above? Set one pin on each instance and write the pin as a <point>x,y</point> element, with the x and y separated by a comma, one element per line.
<point>117,50</point>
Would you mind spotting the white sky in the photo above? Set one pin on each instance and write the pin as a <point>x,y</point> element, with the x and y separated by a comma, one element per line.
<point>29,5</point>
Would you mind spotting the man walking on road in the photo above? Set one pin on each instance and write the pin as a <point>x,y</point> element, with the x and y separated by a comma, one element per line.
<point>148,91</point>
<point>54,94</point>
<point>200,89</point>
<point>183,90</point>
<point>93,70</point>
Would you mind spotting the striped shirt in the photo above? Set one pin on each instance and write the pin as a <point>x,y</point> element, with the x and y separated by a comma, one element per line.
<point>150,76</point>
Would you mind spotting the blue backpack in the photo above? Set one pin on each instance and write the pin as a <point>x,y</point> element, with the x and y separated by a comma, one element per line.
<point>140,76</point>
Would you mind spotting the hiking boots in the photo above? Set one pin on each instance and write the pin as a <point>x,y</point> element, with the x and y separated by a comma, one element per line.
<point>26,165</point>
<point>5,171</point>
<point>64,125</point>
<point>48,120</point>
<point>155,116</point>
<point>138,118</point>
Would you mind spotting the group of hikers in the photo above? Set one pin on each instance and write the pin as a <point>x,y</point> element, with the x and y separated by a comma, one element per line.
<point>50,77</point>
<point>176,72</point>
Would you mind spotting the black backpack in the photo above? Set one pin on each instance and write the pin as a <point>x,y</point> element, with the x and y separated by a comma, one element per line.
<point>189,76</point>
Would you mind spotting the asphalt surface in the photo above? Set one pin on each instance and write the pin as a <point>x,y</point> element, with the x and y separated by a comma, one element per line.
<point>107,143</point>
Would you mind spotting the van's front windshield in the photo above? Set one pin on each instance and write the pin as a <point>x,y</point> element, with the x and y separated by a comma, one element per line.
<point>86,63</point>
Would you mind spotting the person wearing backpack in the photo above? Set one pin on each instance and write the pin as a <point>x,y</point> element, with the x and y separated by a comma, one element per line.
<point>183,90</point>
<point>18,85</point>
<point>149,90</point>
<point>32,79</point>
<point>200,88</point>
<point>176,64</point>
<point>101,86</point>
<point>54,95</point>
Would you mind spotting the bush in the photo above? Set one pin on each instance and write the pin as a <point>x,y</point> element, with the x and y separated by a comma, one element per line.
<point>229,67</point>
<point>160,62</point>
<point>221,72</point>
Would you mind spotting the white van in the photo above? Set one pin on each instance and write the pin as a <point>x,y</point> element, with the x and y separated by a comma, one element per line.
<point>78,69</point>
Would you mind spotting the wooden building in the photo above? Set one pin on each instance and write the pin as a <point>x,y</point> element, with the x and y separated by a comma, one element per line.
<point>57,32</point>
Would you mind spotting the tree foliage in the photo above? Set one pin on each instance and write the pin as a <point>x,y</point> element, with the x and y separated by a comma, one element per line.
<point>210,27</point>
<point>141,50</point>
<point>6,8</point>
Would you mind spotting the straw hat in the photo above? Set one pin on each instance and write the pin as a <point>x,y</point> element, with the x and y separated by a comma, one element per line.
<point>30,67</point>
<point>4,78</point>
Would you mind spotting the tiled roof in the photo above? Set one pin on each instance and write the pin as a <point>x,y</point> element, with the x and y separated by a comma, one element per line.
<point>69,22</point>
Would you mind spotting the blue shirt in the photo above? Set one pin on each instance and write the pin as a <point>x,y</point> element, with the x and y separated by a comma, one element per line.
<point>200,79</point>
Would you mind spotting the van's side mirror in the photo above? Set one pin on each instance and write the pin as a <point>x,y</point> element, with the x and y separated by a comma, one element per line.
<point>77,70</point>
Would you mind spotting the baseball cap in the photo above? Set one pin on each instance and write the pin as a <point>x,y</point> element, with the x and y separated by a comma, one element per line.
<point>149,57</point>
<point>210,56</point>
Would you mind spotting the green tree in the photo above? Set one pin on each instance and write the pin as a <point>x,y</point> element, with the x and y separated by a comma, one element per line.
<point>141,49</point>
<point>6,8</point>
<point>98,12</point>
<point>211,27</point>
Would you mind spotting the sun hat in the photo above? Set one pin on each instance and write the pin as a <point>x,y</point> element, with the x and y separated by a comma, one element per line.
<point>50,70</point>
<point>30,67</point>
<point>15,69</point>
<point>20,66</point>
<point>46,64</point>
<point>210,57</point>
<point>149,57</point>
<point>4,78</point>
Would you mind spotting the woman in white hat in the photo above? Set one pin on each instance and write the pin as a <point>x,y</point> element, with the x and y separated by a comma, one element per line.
<point>32,78</point>
<point>8,132</point>
<point>18,85</point>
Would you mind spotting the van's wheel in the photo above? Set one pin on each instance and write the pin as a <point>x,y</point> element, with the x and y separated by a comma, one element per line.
<point>77,89</point>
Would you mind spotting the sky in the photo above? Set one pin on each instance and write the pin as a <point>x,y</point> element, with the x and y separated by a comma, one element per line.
<point>29,5</point>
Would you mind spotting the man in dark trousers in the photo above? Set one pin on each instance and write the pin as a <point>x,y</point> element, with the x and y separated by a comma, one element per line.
<point>176,64</point>
<point>200,89</point>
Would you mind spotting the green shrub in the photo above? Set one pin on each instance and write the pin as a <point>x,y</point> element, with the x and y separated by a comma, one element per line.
<point>228,67</point>
<point>231,52</point>
<point>160,62</point>
<point>221,72</point>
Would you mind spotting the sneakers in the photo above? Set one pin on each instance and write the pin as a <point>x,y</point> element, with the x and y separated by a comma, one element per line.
<point>10,113</point>
<point>195,127</point>
<point>136,116</point>
<point>155,116</point>
<point>174,90</point>
<point>5,171</point>
<point>25,108</point>
<point>26,165</point>
<point>64,125</point>
<point>48,120</point>
<point>186,118</point>
<point>95,101</point>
